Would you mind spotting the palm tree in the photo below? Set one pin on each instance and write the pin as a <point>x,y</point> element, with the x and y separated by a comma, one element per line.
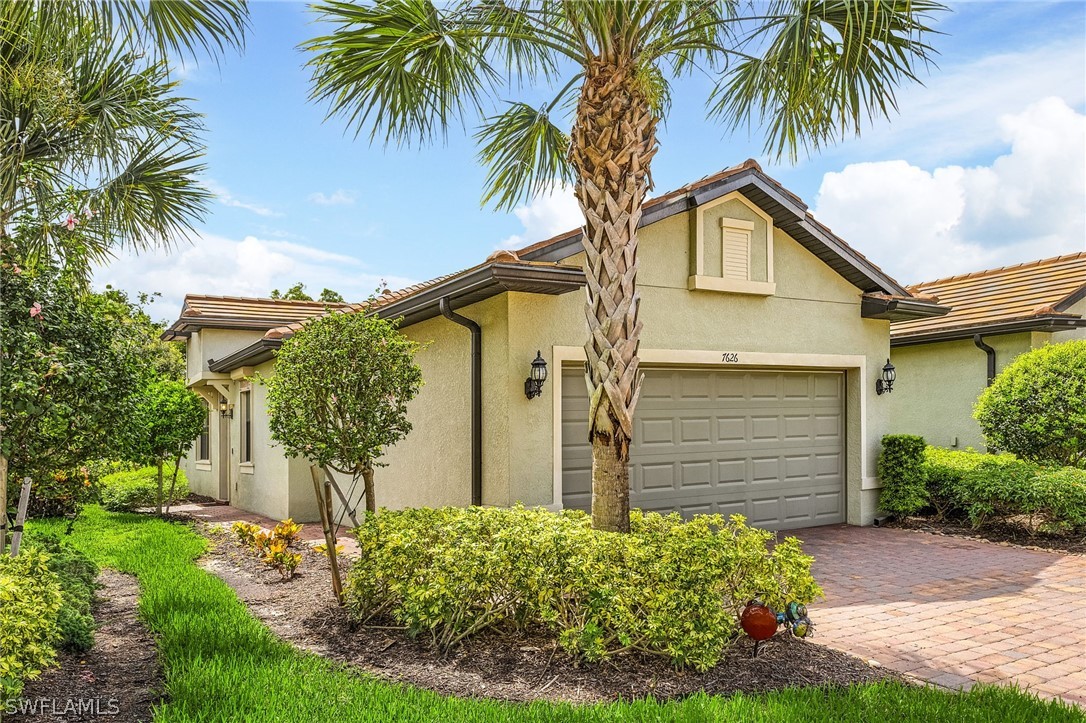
<point>99,149</point>
<point>808,71</point>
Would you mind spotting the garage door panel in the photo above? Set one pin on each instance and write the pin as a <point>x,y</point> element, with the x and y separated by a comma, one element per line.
<point>764,444</point>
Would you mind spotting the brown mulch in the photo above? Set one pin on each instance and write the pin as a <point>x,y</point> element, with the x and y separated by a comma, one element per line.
<point>515,666</point>
<point>119,679</point>
<point>1004,534</point>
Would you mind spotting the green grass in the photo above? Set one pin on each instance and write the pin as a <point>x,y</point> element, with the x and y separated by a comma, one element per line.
<point>222,664</point>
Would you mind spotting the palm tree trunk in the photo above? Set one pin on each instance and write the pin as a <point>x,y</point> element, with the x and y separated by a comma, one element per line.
<point>612,144</point>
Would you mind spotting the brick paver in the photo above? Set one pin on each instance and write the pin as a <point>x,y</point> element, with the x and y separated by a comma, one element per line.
<point>950,610</point>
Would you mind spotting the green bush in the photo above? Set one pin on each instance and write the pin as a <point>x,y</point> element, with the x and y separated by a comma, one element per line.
<point>77,576</point>
<point>987,488</point>
<point>1036,407</point>
<point>904,491</point>
<point>670,587</point>
<point>127,491</point>
<point>30,600</point>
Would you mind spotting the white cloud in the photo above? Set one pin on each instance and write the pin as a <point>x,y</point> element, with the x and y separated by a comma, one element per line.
<point>250,267</point>
<point>919,225</point>
<point>228,199</point>
<point>957,111</point>
<point>548,214</point>
<point>339,197</point>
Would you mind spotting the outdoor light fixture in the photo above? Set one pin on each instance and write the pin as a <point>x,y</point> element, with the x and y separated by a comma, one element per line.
<point>533,385</point>
<point>886,382</point>
<point>226,410</point>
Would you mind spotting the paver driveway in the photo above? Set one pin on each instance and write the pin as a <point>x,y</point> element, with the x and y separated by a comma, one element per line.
<point>950,610</point>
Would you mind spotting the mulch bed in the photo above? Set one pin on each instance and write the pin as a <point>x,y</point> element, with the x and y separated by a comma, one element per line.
<point>515,666</point>
<point>1004,534</point>
<point>119,679</point>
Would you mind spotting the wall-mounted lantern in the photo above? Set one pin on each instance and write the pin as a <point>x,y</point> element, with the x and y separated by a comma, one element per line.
<point>533,385</point>
<point>885,383</point>
<point>226,410</point>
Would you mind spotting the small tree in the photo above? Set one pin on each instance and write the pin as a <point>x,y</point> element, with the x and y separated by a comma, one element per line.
<point>340,392</point>
<point>167,421</point>
<point>1036,407</point>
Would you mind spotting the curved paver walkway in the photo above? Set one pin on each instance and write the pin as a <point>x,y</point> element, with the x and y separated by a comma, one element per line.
<point>950,610</point>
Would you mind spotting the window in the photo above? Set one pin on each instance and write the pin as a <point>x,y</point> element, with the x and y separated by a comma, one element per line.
<point>247,426</point>
<point>203,442</point>
<point>735,248</point>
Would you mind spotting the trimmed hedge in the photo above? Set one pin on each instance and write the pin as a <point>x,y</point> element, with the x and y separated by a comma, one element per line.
<point>669,587</point>
<point>129,490</point>
<point>904,491</point>
<point>983,488</point>
<point>30,601</point>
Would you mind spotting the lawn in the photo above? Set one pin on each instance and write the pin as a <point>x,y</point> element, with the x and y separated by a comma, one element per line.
<point>221,664</point>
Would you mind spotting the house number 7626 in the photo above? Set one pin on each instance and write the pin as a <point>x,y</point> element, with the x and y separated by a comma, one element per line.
<point>730,357</point>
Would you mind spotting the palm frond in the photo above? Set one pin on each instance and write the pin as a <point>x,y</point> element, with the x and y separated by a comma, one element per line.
<point>525,152</point>
<point>822,69</point>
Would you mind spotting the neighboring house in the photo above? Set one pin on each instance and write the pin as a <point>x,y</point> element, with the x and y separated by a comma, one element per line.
<point>944,363</point>
<point>763,337</point>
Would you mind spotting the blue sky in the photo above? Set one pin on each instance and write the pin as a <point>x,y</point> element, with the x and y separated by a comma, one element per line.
<point>983,166</point>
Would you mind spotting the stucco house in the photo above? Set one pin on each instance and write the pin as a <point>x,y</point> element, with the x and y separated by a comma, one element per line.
<point>944,363</point>
<point>764,335</point>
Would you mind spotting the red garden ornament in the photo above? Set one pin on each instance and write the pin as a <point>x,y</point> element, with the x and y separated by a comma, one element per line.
<point>760,623</point>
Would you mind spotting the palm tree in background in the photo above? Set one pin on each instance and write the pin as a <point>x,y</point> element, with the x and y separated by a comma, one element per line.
<point>97,148</point>
<point>807,71</point>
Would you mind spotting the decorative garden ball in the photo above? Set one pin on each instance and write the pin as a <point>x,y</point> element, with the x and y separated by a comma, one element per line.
<point>758,621</point>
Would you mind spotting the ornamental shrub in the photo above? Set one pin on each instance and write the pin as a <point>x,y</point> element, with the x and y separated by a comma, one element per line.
<point>30,601</point>
<point>904,491</point>
<point>77,575</point>
<point>1036,407</point>
<point>127,491</point>
<point>669,588</point>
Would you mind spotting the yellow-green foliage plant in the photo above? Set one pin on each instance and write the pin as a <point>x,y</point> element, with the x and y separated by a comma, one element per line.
<point>245,532</point>
<point>670,588</point>
<point>30,601</point>
<point>278,556</point>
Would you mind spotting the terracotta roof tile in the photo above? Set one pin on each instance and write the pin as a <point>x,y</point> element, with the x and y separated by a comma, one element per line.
<point>1009,293</point>
<point>201,310</point>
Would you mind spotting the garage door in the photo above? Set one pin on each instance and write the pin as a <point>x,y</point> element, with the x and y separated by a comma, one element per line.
<point>765,444</point>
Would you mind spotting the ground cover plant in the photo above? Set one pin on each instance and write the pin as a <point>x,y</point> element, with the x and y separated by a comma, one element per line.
<point>669,587</point>
<point>129,490</point>
<point>30,601</point>
<point>221,664</point>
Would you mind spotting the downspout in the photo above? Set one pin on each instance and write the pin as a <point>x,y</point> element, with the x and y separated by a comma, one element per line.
<point>476,397</point>
<point>991,357</point>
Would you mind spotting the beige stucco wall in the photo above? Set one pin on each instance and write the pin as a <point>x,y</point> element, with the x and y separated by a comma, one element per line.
<point>1079,333</point>
<point>938,384</point>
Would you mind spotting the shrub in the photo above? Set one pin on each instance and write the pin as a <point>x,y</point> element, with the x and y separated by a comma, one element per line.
<point>1036,407</point>
<point>669,588</point>
<point>127,491</point>
<point>61,493</point>
<point>77,576</point>
<point>30,600</point>
<point>278,557</point>
<point>245,532</point>
<point>275,547</point>
<point>904,491</point>
<point>994,487</point>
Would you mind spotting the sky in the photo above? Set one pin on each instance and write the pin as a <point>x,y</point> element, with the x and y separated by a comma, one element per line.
<point>984,165</point>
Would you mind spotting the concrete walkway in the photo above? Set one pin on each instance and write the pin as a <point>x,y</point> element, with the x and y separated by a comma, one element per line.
<point>952,611</point>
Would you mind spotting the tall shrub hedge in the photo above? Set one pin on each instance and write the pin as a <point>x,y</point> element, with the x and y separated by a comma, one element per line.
<point>904,491</point>
<point>669,587</point>
<point>131,489</point>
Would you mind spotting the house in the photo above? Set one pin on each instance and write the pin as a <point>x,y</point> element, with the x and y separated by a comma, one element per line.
<point>944,363</point>
<point>764,334</point>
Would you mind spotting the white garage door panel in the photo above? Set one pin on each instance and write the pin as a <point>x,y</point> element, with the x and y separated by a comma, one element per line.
<point>765,444</point>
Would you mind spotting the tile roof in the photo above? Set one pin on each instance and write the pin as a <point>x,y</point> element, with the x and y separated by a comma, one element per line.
<point>200,310</point>
<point>1032,290</point>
